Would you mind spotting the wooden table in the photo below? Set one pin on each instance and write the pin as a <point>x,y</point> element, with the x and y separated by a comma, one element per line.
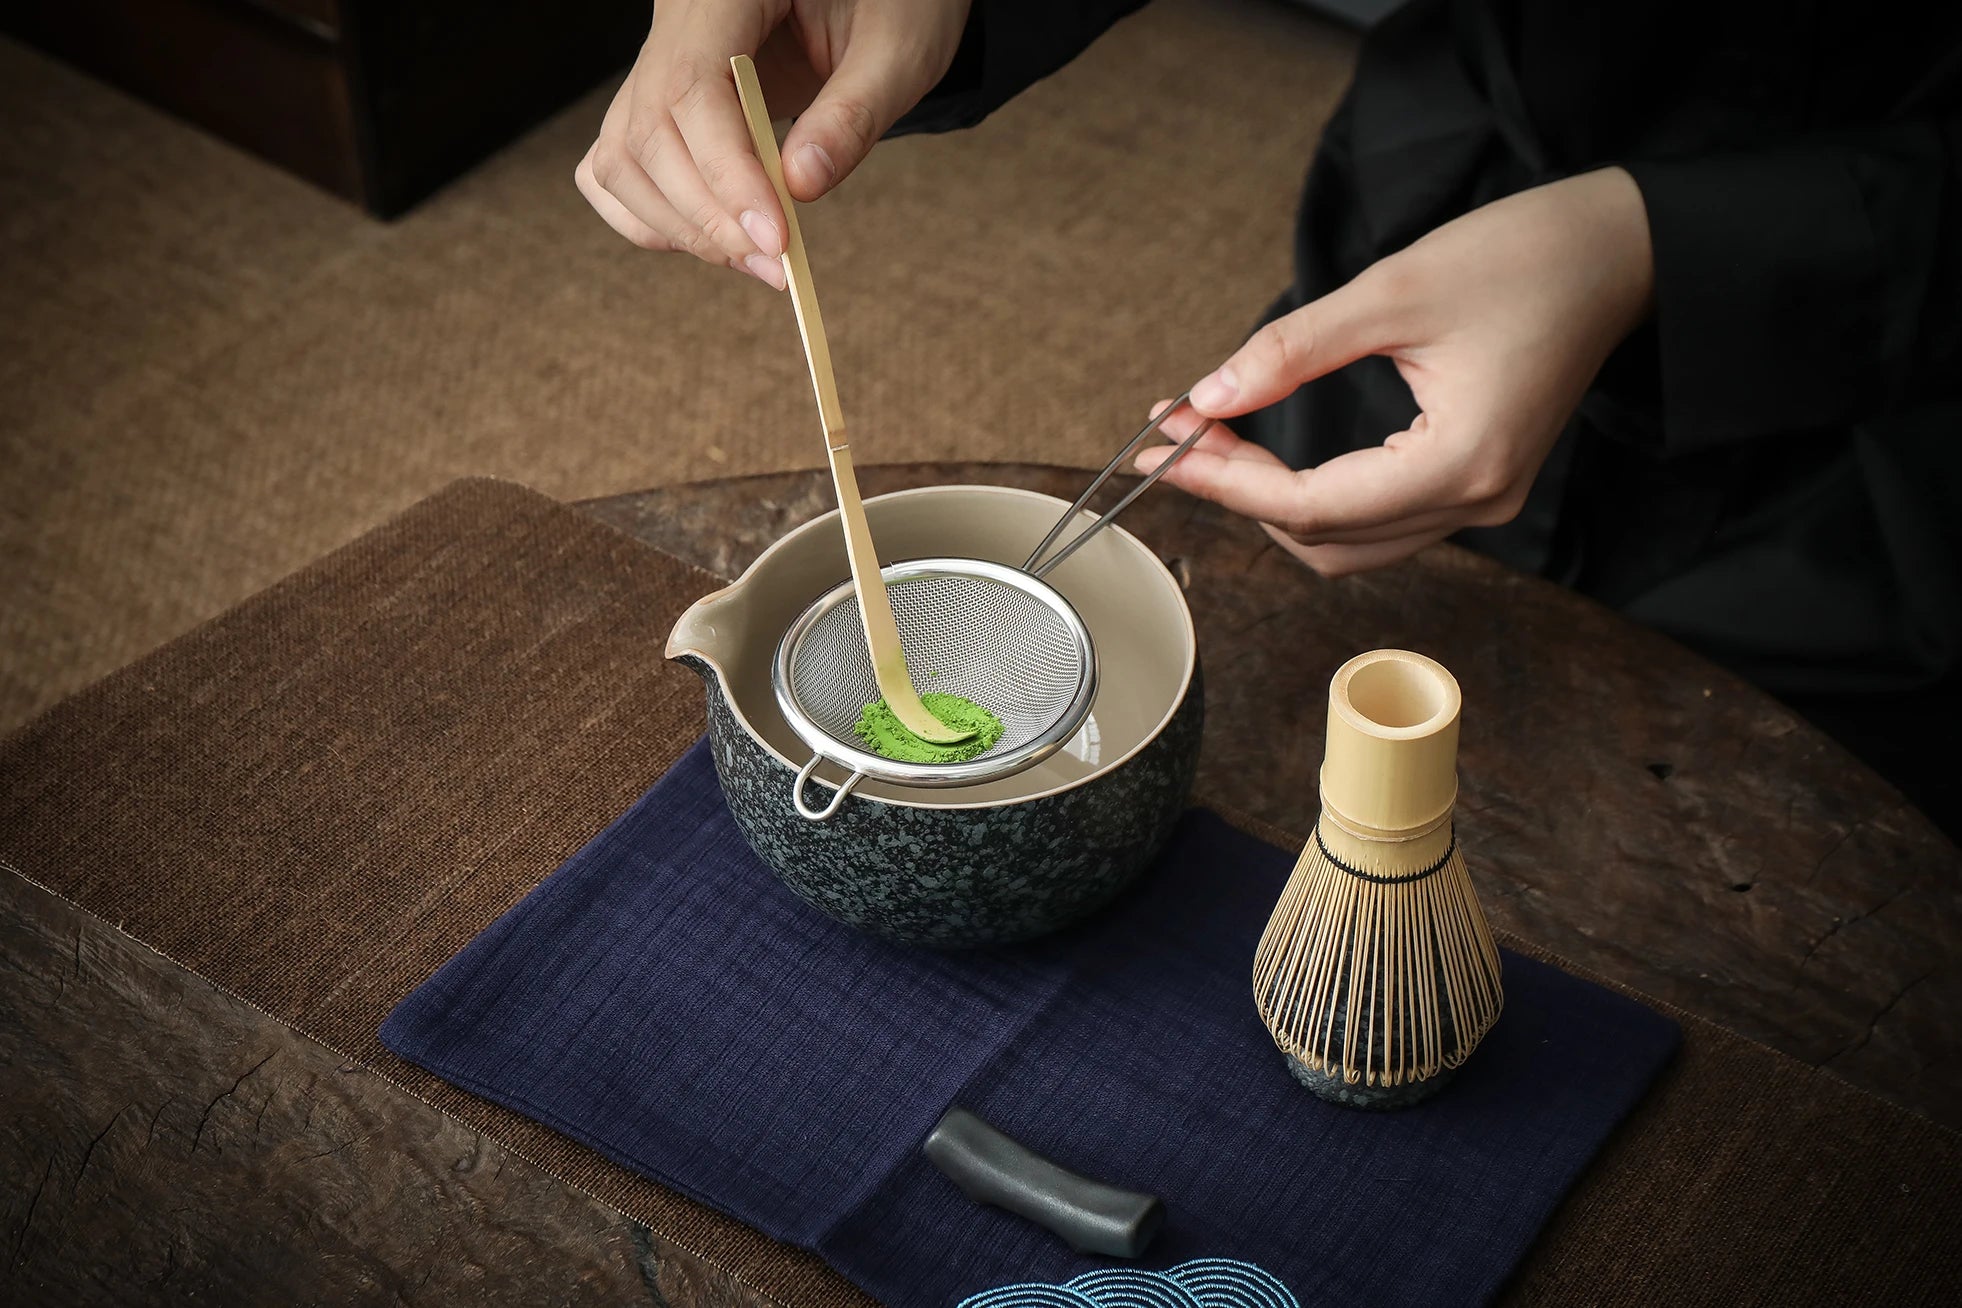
<point>1623,803</point>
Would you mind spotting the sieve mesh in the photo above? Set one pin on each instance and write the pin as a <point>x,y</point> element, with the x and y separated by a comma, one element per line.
<point>1000,645</point>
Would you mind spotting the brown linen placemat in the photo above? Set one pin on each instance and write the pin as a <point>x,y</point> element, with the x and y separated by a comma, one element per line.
<point>317,798</point>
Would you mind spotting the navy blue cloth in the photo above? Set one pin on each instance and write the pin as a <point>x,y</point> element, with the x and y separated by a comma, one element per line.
<point>664,1000</point>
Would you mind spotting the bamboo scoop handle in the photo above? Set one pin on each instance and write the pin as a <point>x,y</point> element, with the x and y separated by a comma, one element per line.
<point>874,607</point>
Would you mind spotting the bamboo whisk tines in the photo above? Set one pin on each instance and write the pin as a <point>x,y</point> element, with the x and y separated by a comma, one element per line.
<point>1377,973</point>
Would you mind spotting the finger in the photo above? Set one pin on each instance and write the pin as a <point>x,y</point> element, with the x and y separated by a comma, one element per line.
<point>1441,522</point>
<point>1213,443</point>
<point>664,157</point>
<point>1316,339</point>
<point>605,160</point>
<point>1412,473</point>
<point>710,118</point>
<point>618,175</point>
<point>1411,483</point>
<point>616,215</point>
<point>1345,560</point>
<point>857,103</point>
<point>1267,492</point>
<point>617,170</point>
<point>1249,456</point>
<point>1403,486</point>
<point>1412,478</point>
<point>1180,425</point>
<point>629,192</point>
<point>621,176</point>
<point>1220,439</point>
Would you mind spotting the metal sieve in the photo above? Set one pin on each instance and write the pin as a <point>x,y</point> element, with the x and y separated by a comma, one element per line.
<point>992,633</point>
<point>986,631</point>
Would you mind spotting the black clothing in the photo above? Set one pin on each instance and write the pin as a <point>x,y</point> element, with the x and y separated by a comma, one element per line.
<point>1771,470</point>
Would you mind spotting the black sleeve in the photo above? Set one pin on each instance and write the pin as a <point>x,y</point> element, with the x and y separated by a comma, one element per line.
<point>1808,285</point>
<point>1009,46</point>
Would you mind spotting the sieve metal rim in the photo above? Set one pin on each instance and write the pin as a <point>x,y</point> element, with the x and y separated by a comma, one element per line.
<point>989,767</point>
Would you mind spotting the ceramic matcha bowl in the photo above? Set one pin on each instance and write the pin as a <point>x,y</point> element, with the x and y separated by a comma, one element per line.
<point>974,865</point>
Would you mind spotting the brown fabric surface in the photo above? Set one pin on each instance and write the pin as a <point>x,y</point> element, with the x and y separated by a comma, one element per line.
<point>317,798</point>
<point>214,373</point>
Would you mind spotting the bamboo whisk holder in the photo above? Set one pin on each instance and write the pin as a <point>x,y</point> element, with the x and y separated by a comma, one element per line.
<point>1377,974</point>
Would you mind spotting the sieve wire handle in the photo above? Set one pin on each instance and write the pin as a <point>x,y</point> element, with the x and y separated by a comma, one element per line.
<point>803,778</point>
<point>1069,515</point>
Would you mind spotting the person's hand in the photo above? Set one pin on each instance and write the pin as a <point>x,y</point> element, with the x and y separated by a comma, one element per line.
<point>673,168</point>
<point>1498,321</point>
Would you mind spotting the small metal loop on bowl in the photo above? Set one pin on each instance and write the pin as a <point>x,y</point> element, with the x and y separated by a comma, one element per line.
<point>838,797</point>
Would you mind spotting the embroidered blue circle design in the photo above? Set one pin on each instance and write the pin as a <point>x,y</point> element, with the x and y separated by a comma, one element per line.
<point>1033,1294</point>
<point>1127,1288</point>
<point>1228,1283</point>
<point>1200,1283</point>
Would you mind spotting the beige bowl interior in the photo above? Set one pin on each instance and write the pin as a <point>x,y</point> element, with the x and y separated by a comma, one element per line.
<point>1137,618</point>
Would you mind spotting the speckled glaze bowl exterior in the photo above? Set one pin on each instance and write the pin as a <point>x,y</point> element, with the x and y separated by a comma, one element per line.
<point>962,866</point>
<point>961,877</point>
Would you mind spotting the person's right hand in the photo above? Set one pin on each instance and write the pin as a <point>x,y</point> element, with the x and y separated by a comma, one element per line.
<point>673,168</point>
<point>1498,322</point>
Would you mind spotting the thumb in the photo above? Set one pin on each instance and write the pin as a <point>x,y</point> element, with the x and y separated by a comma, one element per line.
<point>863,97</point>
<point>1315,339</point>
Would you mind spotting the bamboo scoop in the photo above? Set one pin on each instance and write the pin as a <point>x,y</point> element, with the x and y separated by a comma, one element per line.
<point>874,608</point>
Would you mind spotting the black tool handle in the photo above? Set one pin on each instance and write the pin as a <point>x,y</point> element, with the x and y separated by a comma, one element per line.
<point>992,1168</point>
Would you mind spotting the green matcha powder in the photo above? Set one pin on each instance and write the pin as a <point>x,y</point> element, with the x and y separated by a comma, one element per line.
<point>885,736</point>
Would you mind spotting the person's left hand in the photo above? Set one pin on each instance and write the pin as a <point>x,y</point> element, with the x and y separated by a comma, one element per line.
<point>1498,321</point>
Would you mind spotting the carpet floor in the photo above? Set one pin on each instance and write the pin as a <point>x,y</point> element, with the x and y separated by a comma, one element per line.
<point>212,372</point>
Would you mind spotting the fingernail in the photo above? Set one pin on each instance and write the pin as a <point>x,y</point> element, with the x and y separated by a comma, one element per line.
<point>764,270</point>
<point>1217,390</point>
<point>812,161</point>
<point>764,232</point>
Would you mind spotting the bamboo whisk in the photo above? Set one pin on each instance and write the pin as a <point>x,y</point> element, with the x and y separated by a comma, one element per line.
<point>1377,974</point>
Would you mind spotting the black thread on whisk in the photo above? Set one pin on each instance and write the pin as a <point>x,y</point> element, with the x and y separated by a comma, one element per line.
<point>1377,879</point>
